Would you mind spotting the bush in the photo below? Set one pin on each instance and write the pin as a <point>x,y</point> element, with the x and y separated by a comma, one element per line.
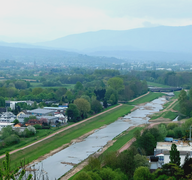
<point>170,133</point>
<point>37,126</point>
<point>13,139</point>
<point>32,129</point>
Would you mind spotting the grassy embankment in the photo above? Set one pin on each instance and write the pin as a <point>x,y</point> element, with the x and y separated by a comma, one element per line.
<point>37,84</point>
<point>44,147</point>
<point>149,97</point>
<point>157,84</point>
<point>121,140</point>
<point>40,133</point>
<point>168,113</point>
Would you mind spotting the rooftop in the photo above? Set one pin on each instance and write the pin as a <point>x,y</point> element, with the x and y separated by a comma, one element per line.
<point>181,146</point>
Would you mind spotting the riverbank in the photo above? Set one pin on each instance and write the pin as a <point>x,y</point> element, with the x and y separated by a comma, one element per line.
<point>49,144</point>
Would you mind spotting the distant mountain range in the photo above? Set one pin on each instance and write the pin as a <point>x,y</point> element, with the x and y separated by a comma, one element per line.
<point>162,38</point>
<point>154,44</point>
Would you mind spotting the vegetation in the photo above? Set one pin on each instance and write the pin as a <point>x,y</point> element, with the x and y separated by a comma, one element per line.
<point>149,97</point>
<point>6,173</point>
<point>58,140</point>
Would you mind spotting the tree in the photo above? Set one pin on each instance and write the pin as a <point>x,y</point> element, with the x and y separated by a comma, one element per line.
<point>72,112</point>
<point>20,84</point>
<point>78,86</point>
<point>82,176</point>
<point>142,173</point>
<point>69,96</point>
<point>116,83</point>
<point>83,106</point>
<point>147,142</point>
<point>6,131</point>
<point>174,155</point>
<point>111,96</point>
<point>141,161</point>
<point>7,174</point>
<point>96,106</point>
<point>86,97</point>
<point>2,102</point>
<point>16,121</point>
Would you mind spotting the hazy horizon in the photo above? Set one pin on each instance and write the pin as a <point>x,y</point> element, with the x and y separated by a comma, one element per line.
<point>44,20</point>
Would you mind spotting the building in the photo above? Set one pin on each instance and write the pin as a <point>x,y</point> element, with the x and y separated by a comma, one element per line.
<point>7,117</point>
<point>41,112</point>
<point>162,150</point>
<point>2,125</point>
<point>21,116</point>
<point>12,104</point>
<point>50,119</point>
<point>56,109</point>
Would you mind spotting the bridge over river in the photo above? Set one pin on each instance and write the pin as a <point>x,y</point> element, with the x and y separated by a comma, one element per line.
<point>169,89</point>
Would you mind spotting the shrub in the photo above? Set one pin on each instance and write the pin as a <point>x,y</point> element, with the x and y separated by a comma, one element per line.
<point>13,139</point>
<point>37,126</point>
<point>31,129</point>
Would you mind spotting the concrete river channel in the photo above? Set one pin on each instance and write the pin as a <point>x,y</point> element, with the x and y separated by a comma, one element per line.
<point>53,166</point>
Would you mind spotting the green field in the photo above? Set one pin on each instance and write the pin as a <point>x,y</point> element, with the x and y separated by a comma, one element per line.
<point>156,84</point>
<point>167,114</point>
<point>149,97</point>
<point>58,140</point>
<point>171,115</point>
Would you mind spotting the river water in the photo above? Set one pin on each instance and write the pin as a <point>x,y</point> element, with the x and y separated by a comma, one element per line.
<point>77,152</point>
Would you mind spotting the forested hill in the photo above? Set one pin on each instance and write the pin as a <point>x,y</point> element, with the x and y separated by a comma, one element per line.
<point>46,56</point>
<point>162,38</point>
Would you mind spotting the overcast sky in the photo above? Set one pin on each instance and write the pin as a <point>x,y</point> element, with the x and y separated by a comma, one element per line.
<point>39,20</point>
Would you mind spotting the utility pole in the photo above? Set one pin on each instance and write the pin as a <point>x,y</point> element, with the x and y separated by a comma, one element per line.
<point>190,134</point>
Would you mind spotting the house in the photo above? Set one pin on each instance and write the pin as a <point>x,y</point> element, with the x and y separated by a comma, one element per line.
<point>49,119</point>
<point>162,149</point>
<point>7,117</point>
<point>61,117</point>
<point>21,116</point>
<point>41,112</point>
<point>32,122</point>
<point>18,125</point>
<point>2,125</point>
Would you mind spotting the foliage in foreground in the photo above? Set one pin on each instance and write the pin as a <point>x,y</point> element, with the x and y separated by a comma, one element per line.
<point>6,173</point>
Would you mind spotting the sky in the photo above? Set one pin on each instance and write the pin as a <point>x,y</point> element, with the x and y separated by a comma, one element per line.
<point>43,20</point>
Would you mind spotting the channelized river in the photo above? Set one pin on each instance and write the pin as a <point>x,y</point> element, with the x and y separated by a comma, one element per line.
<point>77,152</point>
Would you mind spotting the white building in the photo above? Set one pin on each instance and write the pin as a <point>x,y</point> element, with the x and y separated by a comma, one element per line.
<point>11,104</point>
<point>7,117</point>
<point>2,125</point>
<point>162,150</point>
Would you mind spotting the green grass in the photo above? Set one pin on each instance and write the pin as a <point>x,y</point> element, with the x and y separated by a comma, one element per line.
<point>149,97</point>
<point>58,140</point>
<point>167,114</point>
<point>176,94</point>
<point>171,115</point>
<point>156,84</point>
<point>176,106</point>
<point>166,105</point>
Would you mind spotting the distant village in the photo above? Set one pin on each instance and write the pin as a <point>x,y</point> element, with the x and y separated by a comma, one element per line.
<point>49,115</point>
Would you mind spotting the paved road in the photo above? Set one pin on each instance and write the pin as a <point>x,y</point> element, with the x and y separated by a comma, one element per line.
<point>64,129</point>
